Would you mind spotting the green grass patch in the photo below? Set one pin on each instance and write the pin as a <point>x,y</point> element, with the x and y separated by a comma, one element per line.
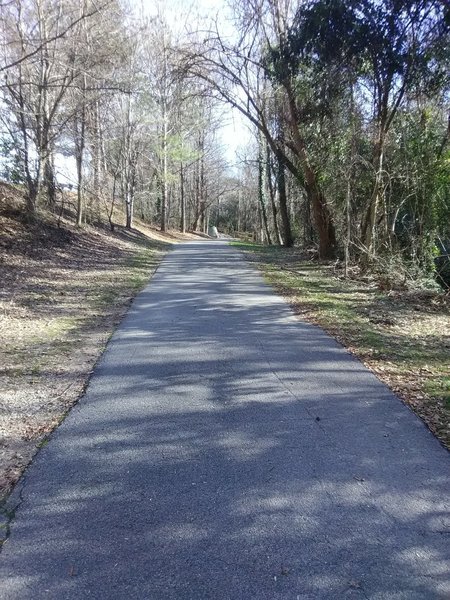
<point>141,265</point>
<point>440,388</point>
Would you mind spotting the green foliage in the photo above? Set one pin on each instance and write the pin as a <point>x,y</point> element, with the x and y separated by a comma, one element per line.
<point>394,38</point>
<point>365,71</point>
<point>11,168</point>
<point>420,184</point>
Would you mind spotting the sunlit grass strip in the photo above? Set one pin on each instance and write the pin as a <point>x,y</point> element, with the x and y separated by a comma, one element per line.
<point>409,353</point>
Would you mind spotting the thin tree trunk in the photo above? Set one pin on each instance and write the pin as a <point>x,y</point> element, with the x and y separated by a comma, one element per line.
<point>238,224</point>
<point>96,152</point>
<point>113,200</point>
<point>262,177</point>
<point>79,151</point>
<point>130,207</point>
<point>350,182</point>
<point>32,183</point>
<point>128,185</point>
<point>197,199</point>
<point>272,196</point>
<point>164,170</point>
<point>282,197</point>
<point>182,201</point>
<point>131,188</point>
<point>80,140</point>
<point>49,180</point>
<point>369,225</point>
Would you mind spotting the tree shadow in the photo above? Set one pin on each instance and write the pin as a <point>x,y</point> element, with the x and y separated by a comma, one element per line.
<point>225,450</point>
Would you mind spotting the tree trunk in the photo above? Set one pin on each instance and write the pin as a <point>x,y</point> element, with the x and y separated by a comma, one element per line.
<point>128,169</point>
<point>164,171</point>
<point>182,201</point>
<point>350,182</point>
<point>322,216</point>
<point>368,230</point>
<point>129,208</point>
<point>272,196</point>
<point>79,163</point>
<point>110,212</point>
<point>49,180</point>
<point>282,197</point>
<point>196,197</point>
<point>262,176</point>
<point>324,224</point>
<point>238,224</point>
<point>32,183</point>
<point>80,140</point>
<point>96,151</point>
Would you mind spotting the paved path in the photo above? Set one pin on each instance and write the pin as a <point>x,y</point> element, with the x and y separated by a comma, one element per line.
<point>227,451</point>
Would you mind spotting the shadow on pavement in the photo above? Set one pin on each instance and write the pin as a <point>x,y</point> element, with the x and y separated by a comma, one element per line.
<point>225,450</point>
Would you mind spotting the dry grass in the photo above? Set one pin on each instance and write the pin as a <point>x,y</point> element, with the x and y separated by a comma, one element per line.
<point>403,336</point>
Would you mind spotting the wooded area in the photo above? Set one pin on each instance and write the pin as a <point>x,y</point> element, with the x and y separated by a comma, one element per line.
<point>347,101</point>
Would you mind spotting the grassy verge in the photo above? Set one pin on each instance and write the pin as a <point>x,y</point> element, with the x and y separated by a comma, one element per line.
<point>403,336</point>
<point>65,291</point>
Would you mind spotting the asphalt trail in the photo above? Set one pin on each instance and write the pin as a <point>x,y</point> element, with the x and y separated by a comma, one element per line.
<point>225,450</point>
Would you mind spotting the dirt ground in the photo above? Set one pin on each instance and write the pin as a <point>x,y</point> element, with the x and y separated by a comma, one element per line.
<point>62,292</point>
